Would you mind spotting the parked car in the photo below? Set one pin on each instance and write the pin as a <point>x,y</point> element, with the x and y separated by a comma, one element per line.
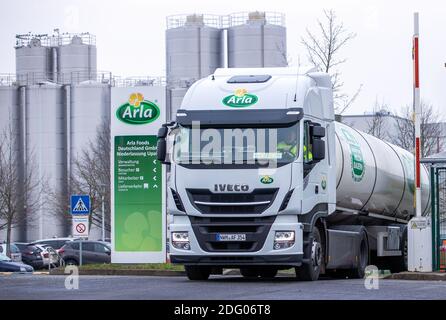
<point>92,252</point>
<point>49,255</point>
<point>7,265</point>
<point>31,255</point>
<point>53,255</point>
<point>15,253</point>
<point>55,243</point>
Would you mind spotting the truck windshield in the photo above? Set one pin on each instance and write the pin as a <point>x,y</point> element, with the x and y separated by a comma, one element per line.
<point>236,146</point>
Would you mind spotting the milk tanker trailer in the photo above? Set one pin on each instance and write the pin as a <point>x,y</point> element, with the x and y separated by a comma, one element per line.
<point>317,195</point>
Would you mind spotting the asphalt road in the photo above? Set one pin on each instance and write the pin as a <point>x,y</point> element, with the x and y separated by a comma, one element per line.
<point>20,286</point>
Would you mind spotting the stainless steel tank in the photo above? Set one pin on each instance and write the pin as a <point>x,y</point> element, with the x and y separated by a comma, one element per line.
<point>376,176</point>
<point>33,60</point>
<point>176,98</point>
<point>256,40</point>
<point>76,59</point>
<point>45,141</point>
<point>89,109</point>
<point>193,46</point>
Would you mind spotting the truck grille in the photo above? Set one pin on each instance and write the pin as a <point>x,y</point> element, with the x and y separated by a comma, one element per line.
<point>254,202</point>
<point>256,230</point>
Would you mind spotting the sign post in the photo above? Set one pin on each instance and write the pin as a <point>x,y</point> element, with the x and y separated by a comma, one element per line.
<point>80,211</point>
<point>419,228</point>
<point>138,192</point>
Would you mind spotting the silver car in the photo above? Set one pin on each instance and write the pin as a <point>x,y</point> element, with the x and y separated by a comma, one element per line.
<point>15,254</point>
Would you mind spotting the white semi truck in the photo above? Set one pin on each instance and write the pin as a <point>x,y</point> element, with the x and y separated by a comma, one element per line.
<point>263,178</point>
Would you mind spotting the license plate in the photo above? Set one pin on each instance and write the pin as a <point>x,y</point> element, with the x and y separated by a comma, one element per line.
<point>231,237</point>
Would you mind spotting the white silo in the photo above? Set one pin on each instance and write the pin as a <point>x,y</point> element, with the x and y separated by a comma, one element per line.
<point>89,109</point>
<point>76,58</point>
<point>193,46</point>
<point>33,59</point>
<point>10,140</point>
<point>45,157</point>
<point>256,40</point>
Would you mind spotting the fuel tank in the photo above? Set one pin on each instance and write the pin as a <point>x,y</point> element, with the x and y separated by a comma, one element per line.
<point>375,176</point>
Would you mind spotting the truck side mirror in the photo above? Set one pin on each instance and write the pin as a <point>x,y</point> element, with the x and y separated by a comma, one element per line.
<point>318,149</point>
<point>161,149</point>
<point>162,132</point>
<point>317,131</point>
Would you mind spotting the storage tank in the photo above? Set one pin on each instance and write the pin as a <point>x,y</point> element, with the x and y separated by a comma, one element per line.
<point>89,109</point>
<point>256,40</point>
<point>33,59</point>
<point>176,98</point>
<point>45,146</point>
<point>10,137</point>
<point>376,176</point>
<point>76,58</point>
<point>193,46</point>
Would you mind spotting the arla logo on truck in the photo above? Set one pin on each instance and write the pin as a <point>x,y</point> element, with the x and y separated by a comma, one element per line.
<point>137,110</point>
<point>357,160</point>
<point>240,99</point>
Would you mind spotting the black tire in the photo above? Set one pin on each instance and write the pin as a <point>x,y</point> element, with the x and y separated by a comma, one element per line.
<point>249,272</point>
<point>313,251</point>
<point>363,258</point>
<point>197,272</point>
<point>268,272</point>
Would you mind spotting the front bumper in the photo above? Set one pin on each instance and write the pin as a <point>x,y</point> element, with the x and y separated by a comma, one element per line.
<point>237,261</point>
<point>201,253</point>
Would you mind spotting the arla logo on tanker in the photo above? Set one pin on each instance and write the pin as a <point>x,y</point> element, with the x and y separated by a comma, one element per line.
<point>241,98</point>
<point>357,160</point>
<point>137,110</point>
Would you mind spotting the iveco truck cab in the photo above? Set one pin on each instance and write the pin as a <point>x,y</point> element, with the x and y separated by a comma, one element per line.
<point>262,178</point>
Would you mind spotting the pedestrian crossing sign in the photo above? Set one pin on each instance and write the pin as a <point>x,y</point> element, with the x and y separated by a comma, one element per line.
<point>80,204</point>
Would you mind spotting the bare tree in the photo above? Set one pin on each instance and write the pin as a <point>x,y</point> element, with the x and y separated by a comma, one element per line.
<point>90,174</point>
<point>376,125</point>
<point>17,185</point>
<point>430,130</point>
<point>323,50</point>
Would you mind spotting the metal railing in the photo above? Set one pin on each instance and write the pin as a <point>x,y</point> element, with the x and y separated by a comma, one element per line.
<point>8,79</point>
<point>241,18</point>
<point>118,81</point>
<point>181,20</point>
<point>225,21</point>
<point>74,77</point>
<point>45,40</point>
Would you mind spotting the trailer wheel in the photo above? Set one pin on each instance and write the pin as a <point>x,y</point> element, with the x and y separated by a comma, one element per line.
<point>313,251</point>
<point>249,272</point>
<point>363,258</point>
<point>197,272</point>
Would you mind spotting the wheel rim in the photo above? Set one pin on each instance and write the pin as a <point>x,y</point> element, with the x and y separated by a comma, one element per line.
<point>316,253</point>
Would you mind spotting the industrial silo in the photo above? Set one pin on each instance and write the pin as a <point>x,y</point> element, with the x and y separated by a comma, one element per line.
<point>89,110</point>
<point>10,141</point>
<point>33,59</point>
<point>76,58</point>
<point>193,46</point>
<point>45,157</point>
<point>256,40</point>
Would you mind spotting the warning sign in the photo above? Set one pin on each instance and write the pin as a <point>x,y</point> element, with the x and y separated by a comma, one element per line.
<point>80,227</point>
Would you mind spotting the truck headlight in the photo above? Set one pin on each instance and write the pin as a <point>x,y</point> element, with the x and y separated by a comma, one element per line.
<point>283,239</point>
<point>180,240</point>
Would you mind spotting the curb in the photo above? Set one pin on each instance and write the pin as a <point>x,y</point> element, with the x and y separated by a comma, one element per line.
<point>429,276</point>
<point>122,272</point>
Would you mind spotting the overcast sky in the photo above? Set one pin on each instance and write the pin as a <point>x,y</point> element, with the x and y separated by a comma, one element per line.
<point>130,38</point>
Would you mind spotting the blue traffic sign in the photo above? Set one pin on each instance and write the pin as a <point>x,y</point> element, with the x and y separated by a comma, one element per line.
<point>80,204</point>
